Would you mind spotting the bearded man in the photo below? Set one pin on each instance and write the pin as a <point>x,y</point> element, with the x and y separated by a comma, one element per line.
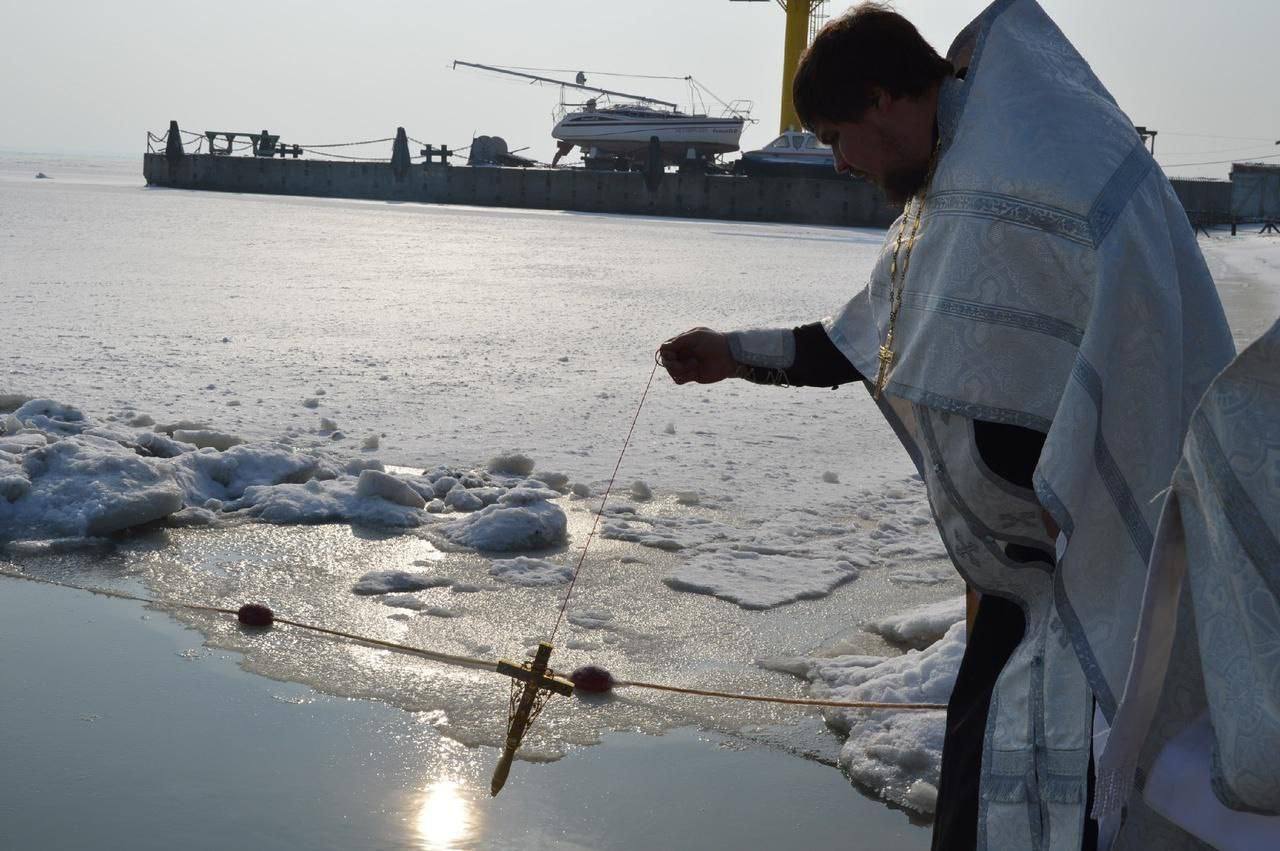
<point>1037,330</point>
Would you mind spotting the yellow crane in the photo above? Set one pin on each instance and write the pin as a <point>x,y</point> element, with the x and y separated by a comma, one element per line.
<point>804,19</point>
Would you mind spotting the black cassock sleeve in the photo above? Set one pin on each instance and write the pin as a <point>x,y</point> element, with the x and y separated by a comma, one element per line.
<point>1011,452</point>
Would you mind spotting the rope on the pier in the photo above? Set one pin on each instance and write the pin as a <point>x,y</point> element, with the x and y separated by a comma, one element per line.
<point>346,157</point>
<point>470,661</point>
<point>453,152</point>
<point>350,144</point>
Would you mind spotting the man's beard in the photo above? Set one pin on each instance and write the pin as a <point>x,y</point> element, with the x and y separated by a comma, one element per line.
<point>901,184</point>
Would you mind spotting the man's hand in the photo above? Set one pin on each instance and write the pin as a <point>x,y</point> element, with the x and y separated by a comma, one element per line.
<point>700,355</point>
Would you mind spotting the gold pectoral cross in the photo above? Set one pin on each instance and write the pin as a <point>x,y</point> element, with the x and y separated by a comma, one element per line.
<point>526,702</point>
<point>887,355</point>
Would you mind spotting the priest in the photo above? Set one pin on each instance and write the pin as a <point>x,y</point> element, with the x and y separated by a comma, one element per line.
<point>1037,330</point>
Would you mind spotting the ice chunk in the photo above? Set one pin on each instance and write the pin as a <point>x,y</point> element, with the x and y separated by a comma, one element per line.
<point>227,475</point>
<point>141,421</point>
<point>388,581</point>
<point>370,443</point>
<point>830,478</point>
<point>511,524</point>
<point>388,487</point>
<point>181,425</point>
<point>640,491</point>
<point>527,496</point>
<point>13,486</point>
<point>329,501</point>
<point>160,445</point>
<point>50,416</point>
<point>895,754</point>
<point>921,626</point>
<point>756,581</point>
<point>558,482</point>
<point>191,516</point>
<point>581,489</point>
<point>86,487</point>
<point>461,499</point>
<point>530,572</point>
<point>513,464</point>
<point>209,438</point>
<point>591,618</point>
<point>663,533</point>
<point>10,402</point>
<point>311,402</point>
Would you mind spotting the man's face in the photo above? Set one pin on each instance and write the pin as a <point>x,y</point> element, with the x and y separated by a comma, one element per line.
<point>881,147</point>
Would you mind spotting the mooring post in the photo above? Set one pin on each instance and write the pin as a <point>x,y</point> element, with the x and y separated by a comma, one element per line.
<point>653,167</point>
<point>173,146</point>
<point>400,155</point>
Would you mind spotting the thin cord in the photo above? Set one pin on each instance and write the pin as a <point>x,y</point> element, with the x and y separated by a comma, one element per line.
<point>607,490</point>
<point>460,661</point>
<point>795,701</point>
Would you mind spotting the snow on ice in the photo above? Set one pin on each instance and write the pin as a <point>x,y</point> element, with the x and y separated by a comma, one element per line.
<point>895,755</point>
<point>388,581</point>
<point>756,581</point>
<point>530,572</point>
<point>65,476</point>
<point>921,626</point>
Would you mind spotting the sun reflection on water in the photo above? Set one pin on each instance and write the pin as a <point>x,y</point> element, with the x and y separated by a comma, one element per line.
<point>445,818</point>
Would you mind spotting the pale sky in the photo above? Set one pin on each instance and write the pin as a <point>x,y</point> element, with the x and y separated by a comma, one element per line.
<point>92,77</point>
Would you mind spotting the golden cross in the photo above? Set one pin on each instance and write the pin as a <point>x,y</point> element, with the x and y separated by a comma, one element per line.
<point>538,681</point>
<point>886,360</point>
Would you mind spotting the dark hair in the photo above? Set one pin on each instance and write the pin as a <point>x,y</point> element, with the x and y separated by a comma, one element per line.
<point>868,46</point>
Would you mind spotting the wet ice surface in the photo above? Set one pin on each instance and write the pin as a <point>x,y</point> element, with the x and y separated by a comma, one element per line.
<point>344,542</point>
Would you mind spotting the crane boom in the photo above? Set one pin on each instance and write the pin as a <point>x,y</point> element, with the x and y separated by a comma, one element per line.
<point>640,98</point>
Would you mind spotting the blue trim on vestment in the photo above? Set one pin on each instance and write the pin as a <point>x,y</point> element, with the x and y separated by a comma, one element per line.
<point>1035,699</point>
<point>984,23</point>
<point>1070,620</point>
<point>966,409</point>
<point>1084,652</point>
<point>1052,503</point>
<point>1115,195</point>
<point>1028,320</point>
<point>1256,538</point>
<point>1015,211</point>
<point>1109,471</point>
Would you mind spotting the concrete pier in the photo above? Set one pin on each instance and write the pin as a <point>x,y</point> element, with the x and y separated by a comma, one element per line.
<point>709,196</point>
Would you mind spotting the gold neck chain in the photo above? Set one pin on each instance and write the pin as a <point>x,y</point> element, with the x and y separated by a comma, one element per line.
<point>898,283</point>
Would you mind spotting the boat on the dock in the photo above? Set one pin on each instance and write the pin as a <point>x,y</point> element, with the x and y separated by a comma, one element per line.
<point>625,130</point>
<point>617,129</point>
<point>795,153</point>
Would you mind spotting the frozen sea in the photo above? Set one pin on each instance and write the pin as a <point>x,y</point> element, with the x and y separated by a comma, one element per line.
<point>759,539</point>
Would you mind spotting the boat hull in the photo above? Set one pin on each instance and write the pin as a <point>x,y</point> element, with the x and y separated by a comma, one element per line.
<point>630,138</point>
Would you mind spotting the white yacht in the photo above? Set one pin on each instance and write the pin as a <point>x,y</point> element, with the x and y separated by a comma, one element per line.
<point>616,129</point>
<point>625,130</point>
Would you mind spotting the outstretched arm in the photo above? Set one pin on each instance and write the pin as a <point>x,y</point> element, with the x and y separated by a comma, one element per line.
<point>800,357</point>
